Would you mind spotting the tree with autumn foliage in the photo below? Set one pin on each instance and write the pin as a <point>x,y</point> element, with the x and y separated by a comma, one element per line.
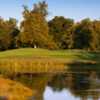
<point>8,33</point>
<point>96,35</point>
<point>34,27</point>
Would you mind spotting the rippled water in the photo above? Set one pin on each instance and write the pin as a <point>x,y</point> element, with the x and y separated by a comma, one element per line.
<point>68,86</point>
<point>79,83</point>
<point>64,94</point>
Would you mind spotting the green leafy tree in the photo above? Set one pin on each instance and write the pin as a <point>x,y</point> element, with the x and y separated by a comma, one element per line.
<point>60,29</point>
<point>83,35</point>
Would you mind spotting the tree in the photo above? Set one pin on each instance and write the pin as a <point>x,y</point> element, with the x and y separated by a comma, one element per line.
<point>96,28</point>
<point>83,35</point>
<point>60,29</point>
<point>41,8</point>
<point>7,31</point>
<point>34,27</point>
<point>13,32</point>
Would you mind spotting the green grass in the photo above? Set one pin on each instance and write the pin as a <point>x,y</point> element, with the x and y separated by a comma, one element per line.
<point>66,54</point>
<point>29,60</point>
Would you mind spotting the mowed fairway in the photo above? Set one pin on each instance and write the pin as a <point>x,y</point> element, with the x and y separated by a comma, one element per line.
<point>65,54</point>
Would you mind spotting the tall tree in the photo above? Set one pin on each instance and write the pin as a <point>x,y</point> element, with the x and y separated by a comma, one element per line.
<point>60,29</point>
<point>7,28</point>
<point>83,35</point>
<point>96,34</point>
<point>34,27</point>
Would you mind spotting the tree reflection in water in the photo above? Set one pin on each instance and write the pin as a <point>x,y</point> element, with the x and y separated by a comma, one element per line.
<point>82,85</point>
<point>79,85</point>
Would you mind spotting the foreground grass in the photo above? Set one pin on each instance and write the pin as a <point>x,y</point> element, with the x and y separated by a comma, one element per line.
<point>11,90</point>
<point>31,60</point>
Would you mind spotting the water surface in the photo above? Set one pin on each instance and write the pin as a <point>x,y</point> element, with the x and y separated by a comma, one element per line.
<point>77,83</point>
<point>67,86</point>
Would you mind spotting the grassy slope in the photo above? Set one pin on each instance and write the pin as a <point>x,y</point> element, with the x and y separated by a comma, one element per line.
<point>68,54</point>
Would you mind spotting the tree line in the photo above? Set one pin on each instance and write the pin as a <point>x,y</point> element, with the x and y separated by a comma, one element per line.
<point>57,33</point>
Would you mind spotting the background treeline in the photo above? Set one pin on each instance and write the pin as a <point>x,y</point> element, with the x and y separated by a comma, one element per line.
<point>58,33</point>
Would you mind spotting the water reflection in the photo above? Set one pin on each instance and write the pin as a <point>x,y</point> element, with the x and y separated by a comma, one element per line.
<point>79,84</point>
<point>74,85</point>
<point>64,94</point>
<point>69,85</point>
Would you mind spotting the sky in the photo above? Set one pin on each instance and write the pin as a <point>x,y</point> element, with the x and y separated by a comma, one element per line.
<point>49,94</point>
<point>75,9</point>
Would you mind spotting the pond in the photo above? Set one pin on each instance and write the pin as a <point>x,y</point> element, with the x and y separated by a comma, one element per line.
<point>67,86</point>
<point>76,84</point>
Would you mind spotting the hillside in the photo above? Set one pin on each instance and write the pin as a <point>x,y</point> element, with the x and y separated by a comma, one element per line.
<point>65,54</point>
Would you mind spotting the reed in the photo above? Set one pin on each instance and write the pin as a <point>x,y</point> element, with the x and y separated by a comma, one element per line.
<point>23,65</point>
<point>14,66</point>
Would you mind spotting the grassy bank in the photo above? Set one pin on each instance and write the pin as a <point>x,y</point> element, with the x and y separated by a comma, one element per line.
<point>31,60</point>
<point>66,54</point>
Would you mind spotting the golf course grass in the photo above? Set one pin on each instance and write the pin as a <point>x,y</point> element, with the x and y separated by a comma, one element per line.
<point>66,54</point>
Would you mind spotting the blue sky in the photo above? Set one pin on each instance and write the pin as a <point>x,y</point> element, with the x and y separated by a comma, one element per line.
<point>75,9</point>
